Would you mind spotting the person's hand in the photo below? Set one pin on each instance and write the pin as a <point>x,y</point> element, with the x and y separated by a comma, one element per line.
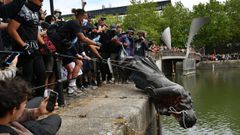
<point>42,107</point>
<point>86,57</point>
<point>98,44</point>
<point>79,56</point>
<point>14,62</point>
<point>28,49</point>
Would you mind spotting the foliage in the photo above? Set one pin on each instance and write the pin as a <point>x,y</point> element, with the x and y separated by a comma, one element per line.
<point>110,19</point>
<point>218,31</point>
<point>178,19</point>
<point>143,16</point>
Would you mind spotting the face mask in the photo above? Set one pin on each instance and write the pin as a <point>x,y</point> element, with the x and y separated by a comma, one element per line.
<point>57,15</point>
<point>84,22</point>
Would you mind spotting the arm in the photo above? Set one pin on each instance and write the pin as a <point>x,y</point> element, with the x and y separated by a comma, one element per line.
<point>3,25</point>
<point>85,39</point>
<point>40,39</point>
<point>9,72</point>
<point>6,11</point>
<point>12,30</point>
<point>32,114</point>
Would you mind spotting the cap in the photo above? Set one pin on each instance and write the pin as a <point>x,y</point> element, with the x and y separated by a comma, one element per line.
<point>130,30</point>
<point>57,11</point>
<point>113,27</point>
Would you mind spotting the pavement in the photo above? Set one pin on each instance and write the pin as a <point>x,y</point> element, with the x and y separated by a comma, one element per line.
<point>116,109</point>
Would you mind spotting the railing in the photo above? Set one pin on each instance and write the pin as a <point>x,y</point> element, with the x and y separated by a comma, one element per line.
<point>161,54</point>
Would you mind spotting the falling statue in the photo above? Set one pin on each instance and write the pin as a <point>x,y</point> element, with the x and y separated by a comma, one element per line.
<point>168,97</point>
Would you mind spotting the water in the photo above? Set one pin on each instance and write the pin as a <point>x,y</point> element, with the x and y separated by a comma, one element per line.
<point>216,96</point>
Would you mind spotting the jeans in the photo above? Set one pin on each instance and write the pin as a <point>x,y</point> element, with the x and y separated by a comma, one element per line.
<point>47,126</point>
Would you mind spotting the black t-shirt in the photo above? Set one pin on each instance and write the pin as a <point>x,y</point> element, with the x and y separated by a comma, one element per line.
<point>70,29</point>
<point>28,18</point>
<point>106,42</point>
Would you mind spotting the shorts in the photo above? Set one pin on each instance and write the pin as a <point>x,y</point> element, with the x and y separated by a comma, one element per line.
<point>49,63</point>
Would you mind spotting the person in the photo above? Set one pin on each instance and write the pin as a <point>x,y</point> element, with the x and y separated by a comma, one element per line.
<point>23,28</point>
<point>11,9</point>
<point>58,15</point>
<point>66,39</point>
<point>141,45</point>
<point>16,118</point>
<point>128,41</point>
<point>10,71</point>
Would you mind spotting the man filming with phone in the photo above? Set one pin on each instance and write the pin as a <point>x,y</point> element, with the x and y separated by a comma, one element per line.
<point>19,116</point>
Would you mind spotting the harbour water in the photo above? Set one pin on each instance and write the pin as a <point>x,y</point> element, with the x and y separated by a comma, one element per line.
<point>216,96</point>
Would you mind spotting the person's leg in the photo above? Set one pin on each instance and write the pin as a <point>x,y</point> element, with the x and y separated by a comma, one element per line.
<point>46,126</point>
<point>72,83</point>
<point>51,124</point>
<point>27,64</point>
<point>39,72</point>
<point>59,86</point>
<point>34,102</point>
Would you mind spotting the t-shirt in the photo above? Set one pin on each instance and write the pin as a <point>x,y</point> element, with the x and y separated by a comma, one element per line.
<point>28,18</point>
<point>106,42</point>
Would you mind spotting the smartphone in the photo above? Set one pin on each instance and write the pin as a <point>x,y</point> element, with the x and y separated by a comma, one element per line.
<point>52,100</point>
<point>10,58</point>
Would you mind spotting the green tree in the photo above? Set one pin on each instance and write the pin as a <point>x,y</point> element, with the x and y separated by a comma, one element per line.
<point>218,32</point>
<point>178,19</point>
<point>110,19</point>
<point>233,11</point>
<point>143,16</point>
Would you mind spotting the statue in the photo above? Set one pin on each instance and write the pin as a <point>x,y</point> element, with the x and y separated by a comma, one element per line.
<point>168,97</point>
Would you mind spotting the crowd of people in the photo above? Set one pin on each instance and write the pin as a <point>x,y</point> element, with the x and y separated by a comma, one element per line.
<point>49,48</point>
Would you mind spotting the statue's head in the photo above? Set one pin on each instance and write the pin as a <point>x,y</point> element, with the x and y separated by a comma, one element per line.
<point>186,118</point>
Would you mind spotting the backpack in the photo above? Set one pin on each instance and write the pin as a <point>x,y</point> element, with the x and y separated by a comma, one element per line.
<point>53,28</point>
<point>60,43</point>
<point>7,129</point>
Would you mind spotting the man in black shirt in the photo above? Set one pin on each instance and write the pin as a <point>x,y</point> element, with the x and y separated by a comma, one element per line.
<point>65,39</point>
<point>23,28</point>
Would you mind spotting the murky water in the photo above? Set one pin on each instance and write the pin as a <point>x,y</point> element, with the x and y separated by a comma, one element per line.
<point>216,96</point>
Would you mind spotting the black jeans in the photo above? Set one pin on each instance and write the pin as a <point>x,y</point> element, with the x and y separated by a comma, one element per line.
<point>34,69</point>
<point>104,68</point>
<point>47,126</point>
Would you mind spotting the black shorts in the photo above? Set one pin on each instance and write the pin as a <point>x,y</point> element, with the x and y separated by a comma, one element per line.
<point>70,53</point>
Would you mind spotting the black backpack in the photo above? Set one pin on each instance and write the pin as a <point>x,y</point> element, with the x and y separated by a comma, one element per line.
<point>7,129</point>
<point>53,28</point>
<point>60,43</point>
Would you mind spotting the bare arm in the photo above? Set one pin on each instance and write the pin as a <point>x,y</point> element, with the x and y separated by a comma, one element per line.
<point>85,39</point>
<point>40,39</point>
<point>12,30</point>
<point>3,25</point>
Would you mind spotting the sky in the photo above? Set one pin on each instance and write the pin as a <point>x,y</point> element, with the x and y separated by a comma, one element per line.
<point>66,5</point>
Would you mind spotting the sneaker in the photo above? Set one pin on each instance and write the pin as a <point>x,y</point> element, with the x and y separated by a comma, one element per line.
<point>104,82</point>
<point>73,94</point>
<point>71,89</point>
<point>110,82</point>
